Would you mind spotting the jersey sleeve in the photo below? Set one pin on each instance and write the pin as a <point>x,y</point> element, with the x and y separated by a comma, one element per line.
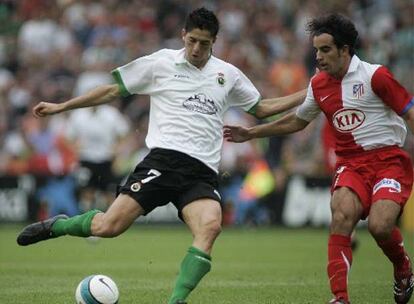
<point>243,94</point>
<point>391,92</point>
<point>136,77</point>
<point>309,109</point>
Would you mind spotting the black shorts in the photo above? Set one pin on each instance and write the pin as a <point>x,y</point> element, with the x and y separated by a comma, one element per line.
<point>170,176</point>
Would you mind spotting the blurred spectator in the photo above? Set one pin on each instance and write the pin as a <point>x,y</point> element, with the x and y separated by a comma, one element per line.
<point>52,50</point>
<point>97,133</point>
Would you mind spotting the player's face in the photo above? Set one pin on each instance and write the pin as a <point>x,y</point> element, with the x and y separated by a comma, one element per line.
<point>330,59</point>
<point>198,44</point>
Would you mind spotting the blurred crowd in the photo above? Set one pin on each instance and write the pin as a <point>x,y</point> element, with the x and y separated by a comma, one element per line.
<point>53,50</point>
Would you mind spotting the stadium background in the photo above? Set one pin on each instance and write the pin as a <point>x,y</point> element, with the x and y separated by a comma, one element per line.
<point>53,50</point>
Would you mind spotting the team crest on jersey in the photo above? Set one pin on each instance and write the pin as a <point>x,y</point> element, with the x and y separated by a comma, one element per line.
<point>358,90</point>
<point>201,104</point>
<point>347,120</point>
<point>135,187</point>
<point>220,79</point>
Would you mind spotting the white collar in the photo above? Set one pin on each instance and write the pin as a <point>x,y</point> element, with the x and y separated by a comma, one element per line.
<point>180,57</point>
<point>355,61</point>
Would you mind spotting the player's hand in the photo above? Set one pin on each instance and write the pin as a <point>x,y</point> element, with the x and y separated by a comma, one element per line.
<point>46,108</point>
<point>236,134</point>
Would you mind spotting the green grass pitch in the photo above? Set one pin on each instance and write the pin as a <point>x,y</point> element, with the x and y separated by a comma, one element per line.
<point>250,266</point>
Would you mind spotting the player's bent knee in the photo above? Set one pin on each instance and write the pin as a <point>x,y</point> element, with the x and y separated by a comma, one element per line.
<point>342,222</point>
<point>379,229</point>
<point>216,229</point>
<point>342,218</point>
<point>338,217</point>
<point>211,229</point>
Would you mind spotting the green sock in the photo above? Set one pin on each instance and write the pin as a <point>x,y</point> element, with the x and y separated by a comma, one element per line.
<point>193,268</point>
<point>79,225</point>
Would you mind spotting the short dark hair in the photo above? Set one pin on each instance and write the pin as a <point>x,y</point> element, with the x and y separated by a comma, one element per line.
<point>202,19</point>
<point>339,27</point>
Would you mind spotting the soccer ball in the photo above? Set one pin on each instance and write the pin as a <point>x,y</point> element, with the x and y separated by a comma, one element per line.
<point>97,289</point>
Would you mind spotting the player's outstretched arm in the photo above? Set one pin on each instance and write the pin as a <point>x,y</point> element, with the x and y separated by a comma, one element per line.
<point>409,118</point>
<point>271,106</point>
<point>287,124</point>
<point>100,95</point>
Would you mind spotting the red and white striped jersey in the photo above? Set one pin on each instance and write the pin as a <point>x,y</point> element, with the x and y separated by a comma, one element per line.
<point>364,107</point>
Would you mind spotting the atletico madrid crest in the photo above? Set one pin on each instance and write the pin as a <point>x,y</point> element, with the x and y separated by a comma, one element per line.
<point>358,90</point>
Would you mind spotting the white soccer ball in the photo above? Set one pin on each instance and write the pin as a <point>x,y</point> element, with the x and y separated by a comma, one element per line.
<point>97,289</point>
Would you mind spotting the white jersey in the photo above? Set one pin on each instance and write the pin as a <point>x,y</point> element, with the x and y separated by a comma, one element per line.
<point>187,104</point>
<point>363,108</point>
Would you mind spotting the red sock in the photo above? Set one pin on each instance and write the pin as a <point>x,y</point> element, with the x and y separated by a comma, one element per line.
<point>339,264</point>
<point>393,248</point>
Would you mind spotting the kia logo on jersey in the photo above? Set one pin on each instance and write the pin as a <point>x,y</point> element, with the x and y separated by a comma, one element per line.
<point>347,120</point>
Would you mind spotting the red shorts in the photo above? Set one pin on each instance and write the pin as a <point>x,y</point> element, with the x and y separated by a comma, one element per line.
<point>385,173</point>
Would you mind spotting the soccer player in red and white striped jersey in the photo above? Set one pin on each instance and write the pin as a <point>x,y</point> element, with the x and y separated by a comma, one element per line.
<point>366,107</point>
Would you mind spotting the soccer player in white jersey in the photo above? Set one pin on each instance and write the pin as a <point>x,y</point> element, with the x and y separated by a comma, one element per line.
<point>190,91</point>
<point>366,108</point>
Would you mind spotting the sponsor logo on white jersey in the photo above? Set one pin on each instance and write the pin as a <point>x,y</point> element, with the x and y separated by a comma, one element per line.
<point>347,120</point>
<point>201,104</point>
<point>390,183</point>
